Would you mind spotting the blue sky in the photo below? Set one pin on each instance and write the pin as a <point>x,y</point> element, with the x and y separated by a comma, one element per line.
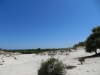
<point>28,24</point>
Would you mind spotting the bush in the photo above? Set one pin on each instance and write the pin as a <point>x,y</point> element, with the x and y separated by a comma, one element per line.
<point>52,67</point>
<point>81,59</point>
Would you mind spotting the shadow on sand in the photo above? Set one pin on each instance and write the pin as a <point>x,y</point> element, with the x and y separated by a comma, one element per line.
<point>93,56</point>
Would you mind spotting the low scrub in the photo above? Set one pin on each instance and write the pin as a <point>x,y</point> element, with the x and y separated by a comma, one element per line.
<point>52,67</point>
<point>81,60</point>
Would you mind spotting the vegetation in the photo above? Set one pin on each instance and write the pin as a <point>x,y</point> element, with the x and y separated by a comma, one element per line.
<point>81,59</point>
<point>93,41</point>
<point>29,51</point>
<point>79,44</point>
<point>70,67</point>
<point>0,49</point>
<point>52,67</point>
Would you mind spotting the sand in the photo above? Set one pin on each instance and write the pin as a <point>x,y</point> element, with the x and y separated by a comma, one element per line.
<point>28,64</point>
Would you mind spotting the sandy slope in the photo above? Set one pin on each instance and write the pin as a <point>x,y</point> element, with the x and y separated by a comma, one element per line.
<point>28,64</point>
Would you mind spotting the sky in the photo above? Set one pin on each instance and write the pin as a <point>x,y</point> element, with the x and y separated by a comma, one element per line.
<point>30,24</point>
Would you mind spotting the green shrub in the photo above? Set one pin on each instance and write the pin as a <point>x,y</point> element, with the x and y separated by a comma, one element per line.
<point>70,67</point>
<point>81,59</point>
<point>52,67</point>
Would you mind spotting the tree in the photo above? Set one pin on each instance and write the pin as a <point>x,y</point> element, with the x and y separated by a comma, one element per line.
<point>38,49</point>
<point>93,41</point>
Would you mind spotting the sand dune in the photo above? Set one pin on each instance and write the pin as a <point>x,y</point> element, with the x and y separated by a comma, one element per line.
<point>28,64</point>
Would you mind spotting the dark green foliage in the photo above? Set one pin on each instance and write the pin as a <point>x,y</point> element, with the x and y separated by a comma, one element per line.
<point>93,41</point>
<point>38,49</point>
<point>81,59</point>
<point>70,67</point>
<point>29,51</point>
<point>52,67</point>
<point>79,44</point>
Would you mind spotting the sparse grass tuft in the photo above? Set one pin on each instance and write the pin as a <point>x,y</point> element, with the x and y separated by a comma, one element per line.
<point>81,59</point>
<point>70,67</point>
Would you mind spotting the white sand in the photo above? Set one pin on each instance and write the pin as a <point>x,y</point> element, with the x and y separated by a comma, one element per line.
<point>28,64</point>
